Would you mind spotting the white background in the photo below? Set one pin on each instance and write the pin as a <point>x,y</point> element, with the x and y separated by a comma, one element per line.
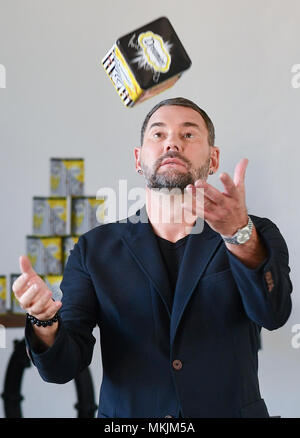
<point>58,101</point>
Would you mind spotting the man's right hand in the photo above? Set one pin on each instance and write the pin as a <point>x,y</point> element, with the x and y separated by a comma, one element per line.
<point>33,294</point>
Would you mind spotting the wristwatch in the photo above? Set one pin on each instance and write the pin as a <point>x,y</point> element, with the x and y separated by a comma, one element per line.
<point>241,236</point>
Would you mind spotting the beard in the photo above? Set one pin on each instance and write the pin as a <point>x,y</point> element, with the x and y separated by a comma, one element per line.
<point>172,178</point>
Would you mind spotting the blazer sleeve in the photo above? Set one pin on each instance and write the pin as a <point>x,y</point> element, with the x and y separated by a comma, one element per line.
<point>266,290</point>
<point>73,348</point>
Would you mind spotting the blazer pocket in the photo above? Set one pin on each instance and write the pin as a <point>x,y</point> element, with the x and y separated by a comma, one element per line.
<point>258,409</point>
<point>217,276</point>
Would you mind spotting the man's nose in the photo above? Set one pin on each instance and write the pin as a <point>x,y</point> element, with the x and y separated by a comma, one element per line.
<point>173,144</point>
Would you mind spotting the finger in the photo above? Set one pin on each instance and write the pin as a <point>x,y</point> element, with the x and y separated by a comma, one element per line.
<point>198,203</point>
<point>49,312</point>
<point>240,171</point>
<point>25,266</point>
<point>29,296</point>
<point>23,282</point>
<point>198,209</point>
<point>210,192</point>
<point>41,302</point>
<point>229,186</point>
<point>195,197</point>
<point>19,284</point>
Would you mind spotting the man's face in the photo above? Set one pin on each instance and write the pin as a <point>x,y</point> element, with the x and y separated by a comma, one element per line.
<point>175,151</point>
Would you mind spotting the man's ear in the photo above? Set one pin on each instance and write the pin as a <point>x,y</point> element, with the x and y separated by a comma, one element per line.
<point>137,154</point>
<point>214,158</point>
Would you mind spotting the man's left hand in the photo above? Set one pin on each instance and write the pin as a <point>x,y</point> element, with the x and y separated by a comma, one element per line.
<point>225,212</point>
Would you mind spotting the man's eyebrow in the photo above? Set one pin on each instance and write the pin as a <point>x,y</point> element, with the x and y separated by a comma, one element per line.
<point>157,124</point>
<point>191,124</point>
<point>185,124</point>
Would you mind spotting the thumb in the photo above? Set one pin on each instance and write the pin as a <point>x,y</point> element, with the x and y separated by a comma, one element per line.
<point>240,171</point>
<point>25,266</point>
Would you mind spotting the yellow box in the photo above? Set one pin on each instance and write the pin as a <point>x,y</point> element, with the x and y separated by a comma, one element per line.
<point>3,294</point>
<point>53,283</point>
<point>67,176</point>
<point>87,213</point>
<point>45,254</point>
<point>146,61</point>
<point>49,215</point>
<point>14,305</point>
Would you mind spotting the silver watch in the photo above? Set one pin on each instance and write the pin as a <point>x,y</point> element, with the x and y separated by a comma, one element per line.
<point>241,236</point>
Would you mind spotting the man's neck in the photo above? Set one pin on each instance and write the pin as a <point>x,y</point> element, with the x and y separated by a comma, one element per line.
<point>168,218</point>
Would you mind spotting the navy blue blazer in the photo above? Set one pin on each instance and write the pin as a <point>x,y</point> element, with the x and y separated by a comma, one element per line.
<point>196,354</point>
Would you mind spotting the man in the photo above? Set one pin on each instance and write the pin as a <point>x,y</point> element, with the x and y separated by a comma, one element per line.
<point>180,310</point>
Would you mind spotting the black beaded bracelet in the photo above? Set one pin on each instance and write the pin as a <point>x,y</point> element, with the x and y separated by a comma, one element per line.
<point>40,323</point>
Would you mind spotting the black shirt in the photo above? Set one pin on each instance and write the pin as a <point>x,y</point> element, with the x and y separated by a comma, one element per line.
<point>172,254</point>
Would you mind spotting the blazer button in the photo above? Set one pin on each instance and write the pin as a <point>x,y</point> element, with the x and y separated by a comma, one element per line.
<point>177,364</point>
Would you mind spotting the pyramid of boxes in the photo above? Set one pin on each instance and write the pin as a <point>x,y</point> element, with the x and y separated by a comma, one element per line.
<point>58,221</point>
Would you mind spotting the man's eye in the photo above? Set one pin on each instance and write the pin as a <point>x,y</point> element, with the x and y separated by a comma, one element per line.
<point>157,135</point>
<point>188,135</point>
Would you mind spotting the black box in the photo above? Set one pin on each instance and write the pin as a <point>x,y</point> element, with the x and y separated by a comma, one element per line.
<point>146,61</point>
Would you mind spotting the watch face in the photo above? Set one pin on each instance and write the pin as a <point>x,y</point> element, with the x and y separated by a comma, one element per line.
<point>243,236</point>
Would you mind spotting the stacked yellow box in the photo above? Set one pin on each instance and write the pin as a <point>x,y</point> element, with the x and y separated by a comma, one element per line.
<point>57,222</point>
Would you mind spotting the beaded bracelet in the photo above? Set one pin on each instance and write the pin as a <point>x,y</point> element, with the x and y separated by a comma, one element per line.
<point>40,323</point>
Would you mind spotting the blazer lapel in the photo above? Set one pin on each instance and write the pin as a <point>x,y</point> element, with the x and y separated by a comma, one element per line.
<point>199,250</point>
<point>140,239</point>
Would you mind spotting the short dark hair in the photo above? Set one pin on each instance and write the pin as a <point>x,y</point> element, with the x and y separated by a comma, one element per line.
<point>181,101</point>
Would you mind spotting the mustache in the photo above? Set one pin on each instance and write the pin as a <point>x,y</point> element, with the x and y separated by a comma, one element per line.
<point>172,155</point>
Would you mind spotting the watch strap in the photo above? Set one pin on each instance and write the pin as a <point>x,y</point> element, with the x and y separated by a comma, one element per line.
<point>233,239</point>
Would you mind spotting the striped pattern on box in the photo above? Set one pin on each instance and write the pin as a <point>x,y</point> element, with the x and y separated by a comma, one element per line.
<point>111,67</point>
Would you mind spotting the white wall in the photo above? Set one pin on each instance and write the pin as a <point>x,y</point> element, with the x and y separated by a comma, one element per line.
<point>58,101</point>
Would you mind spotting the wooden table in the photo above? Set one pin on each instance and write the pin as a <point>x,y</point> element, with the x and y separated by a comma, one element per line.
<point>13,320</point>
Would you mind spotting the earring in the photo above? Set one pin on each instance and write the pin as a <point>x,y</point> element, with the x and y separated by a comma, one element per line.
<point>211,172</point>
<point>140,171</point>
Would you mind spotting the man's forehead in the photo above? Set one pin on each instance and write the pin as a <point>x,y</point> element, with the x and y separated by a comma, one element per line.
<point>175,114</point>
